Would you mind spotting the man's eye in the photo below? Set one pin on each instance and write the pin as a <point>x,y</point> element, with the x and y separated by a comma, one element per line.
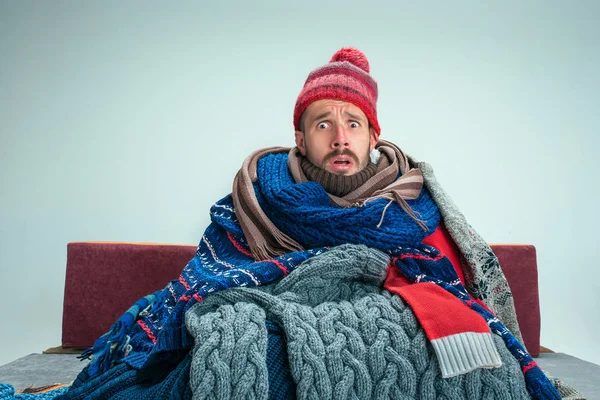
<point>322,125</point>
<point>354,124</point>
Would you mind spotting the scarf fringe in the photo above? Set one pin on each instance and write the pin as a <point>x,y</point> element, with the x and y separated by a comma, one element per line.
<point>408,210</point>
<point>263,250</point>
<point>108,348</point>
<point>413,214</point>
<point>114,344</point>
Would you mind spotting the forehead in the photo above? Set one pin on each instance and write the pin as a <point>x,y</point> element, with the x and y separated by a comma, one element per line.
<point>334,106</point>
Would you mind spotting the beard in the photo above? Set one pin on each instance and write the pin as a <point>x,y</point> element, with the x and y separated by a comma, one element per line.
<point>340,152</point>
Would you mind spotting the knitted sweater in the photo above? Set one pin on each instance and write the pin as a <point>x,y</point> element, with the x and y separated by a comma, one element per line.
<point>346,338</point>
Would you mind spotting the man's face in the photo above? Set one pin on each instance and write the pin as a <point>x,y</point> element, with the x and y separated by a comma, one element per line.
<point>336,136</point>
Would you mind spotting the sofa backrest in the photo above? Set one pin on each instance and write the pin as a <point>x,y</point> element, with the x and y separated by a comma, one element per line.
<point>104,279</point>
<point>519,265</point>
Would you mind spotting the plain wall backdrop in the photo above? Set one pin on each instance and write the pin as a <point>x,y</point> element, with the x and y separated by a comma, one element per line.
<point>125,121</point>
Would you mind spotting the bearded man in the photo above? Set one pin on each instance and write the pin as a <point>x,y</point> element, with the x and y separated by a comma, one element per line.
<point>335,269</point>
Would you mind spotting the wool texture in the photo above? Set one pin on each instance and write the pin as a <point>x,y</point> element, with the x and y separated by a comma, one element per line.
<point>337,185</point>
<point>156,339</point>
<point>281,383</point>
<point>304,212</point>
<point>346,338</point>
<point>7,392</point>
<point>394,181</point>
<point>485,280</point>
<point>221,261</point>
<point>423,265</point>
<point>167,380</point>
<point>460,336</point>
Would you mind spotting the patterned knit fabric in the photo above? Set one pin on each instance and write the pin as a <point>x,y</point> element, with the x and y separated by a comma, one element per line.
<point>221,261</point>
<point>345,78</point>
<point>345,337</point>
<point>484,277</point>
<point>423,265</point>
<point>304,212</point>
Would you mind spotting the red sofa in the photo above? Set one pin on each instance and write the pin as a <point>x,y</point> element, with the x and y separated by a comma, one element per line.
<point>104,279</point>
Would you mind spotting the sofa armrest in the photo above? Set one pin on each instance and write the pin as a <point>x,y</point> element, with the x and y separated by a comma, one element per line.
<point>104,279</point>
<point>519,265</point>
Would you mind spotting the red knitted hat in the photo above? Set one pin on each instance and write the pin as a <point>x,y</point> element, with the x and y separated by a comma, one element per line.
<point>345,78</point>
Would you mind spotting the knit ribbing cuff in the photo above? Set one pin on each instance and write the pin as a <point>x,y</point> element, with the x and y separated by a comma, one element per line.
<point>460,336</point>
<point>465,352</point>
<point>375,260</point>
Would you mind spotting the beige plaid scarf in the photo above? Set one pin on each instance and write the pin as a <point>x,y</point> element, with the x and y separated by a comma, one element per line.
<point>267,241</point>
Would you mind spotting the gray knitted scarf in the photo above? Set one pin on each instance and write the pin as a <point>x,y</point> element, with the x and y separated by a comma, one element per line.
<point>346,338</point>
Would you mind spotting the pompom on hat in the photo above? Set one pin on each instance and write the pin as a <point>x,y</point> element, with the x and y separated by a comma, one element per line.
<point>346,78</point>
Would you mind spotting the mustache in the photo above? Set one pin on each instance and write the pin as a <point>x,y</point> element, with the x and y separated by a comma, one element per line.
<point>338,152</point>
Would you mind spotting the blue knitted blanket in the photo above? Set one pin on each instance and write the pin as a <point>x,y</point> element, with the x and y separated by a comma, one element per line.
<point>150,339</point>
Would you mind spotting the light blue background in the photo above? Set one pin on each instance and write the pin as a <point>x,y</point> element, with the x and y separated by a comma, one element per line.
<point>125,121</point>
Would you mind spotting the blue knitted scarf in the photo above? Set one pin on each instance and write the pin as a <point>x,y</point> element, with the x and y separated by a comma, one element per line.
<point>152,333</point>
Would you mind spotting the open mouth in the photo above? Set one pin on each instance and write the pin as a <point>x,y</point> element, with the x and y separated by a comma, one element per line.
<point>341,163</point>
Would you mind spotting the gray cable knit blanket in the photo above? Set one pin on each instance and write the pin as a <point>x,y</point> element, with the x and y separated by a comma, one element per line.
<point>346,339</point>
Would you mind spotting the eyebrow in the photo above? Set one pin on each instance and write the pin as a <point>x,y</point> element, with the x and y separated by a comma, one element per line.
<point>323,115</point>
<point>353,116</point>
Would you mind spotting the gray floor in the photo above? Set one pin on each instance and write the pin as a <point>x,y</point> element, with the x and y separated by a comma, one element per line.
<point>47,369</point>
<point>582,375</point>
<point>37,370</point>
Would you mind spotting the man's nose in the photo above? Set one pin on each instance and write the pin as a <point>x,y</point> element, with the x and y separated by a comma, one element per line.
<point>340,139</point>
